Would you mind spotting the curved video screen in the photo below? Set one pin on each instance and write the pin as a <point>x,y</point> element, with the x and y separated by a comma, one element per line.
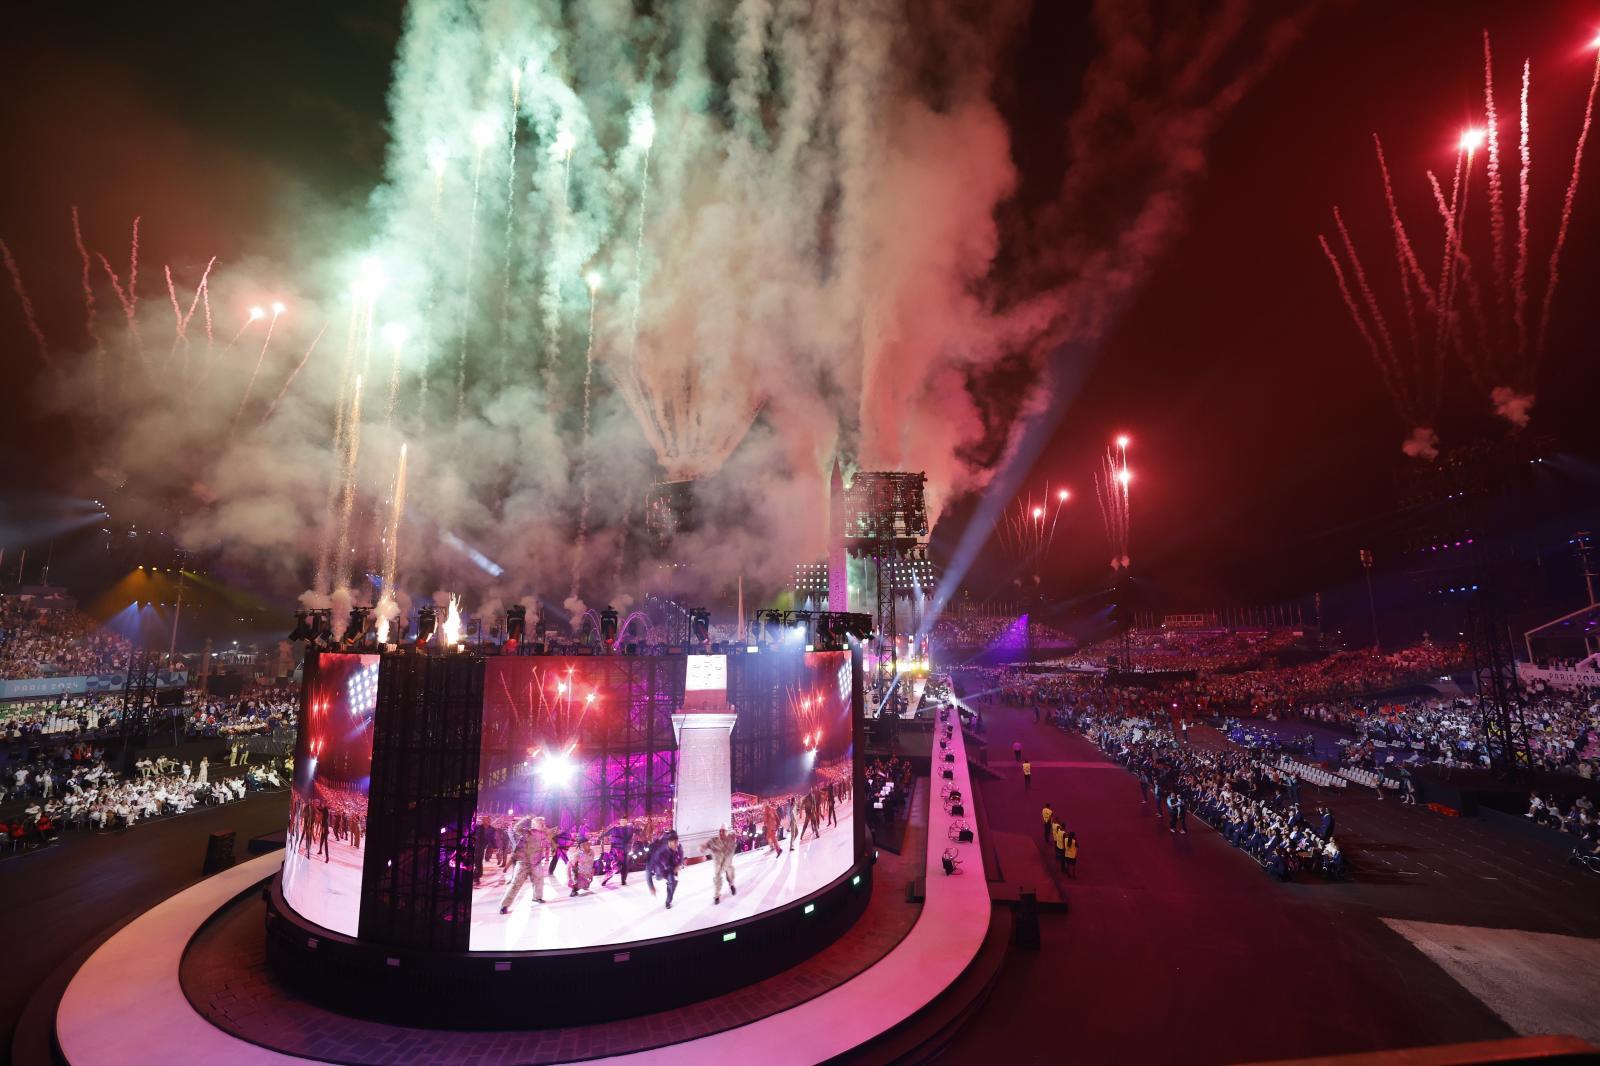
<point>328,805</point>
<point>625,798</point>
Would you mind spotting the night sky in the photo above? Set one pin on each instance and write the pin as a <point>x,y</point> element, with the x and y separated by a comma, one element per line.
<point>1264,445</point>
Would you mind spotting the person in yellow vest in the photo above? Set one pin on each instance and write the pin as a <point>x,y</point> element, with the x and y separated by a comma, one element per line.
<point>1027,774</point>
<point>1059,835</point>
<point>1049,816</point>
<point>1069,855</point>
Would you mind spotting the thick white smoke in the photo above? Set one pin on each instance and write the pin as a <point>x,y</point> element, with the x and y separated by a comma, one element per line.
<point>783,230</point>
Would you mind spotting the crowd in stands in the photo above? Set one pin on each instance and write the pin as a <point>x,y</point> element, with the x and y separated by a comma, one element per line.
<point>1254,806</point>
<point>55,643</point>
<point>63,720</point>
<point>973,631</point>
<point>1203,651</point>
<point>45,797</point>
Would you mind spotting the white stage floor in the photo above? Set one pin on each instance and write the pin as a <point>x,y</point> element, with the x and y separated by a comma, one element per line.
<point>327,892</point>
<point>615,915</point>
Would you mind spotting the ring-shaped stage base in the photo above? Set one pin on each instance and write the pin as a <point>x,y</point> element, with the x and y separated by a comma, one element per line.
<point>507,990</point>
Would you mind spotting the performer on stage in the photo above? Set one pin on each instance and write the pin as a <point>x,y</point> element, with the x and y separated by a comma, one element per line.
<point>580,867</point>
<point>621,843</point>
<point>808,807</point>
<point>530,847</point>
<point>769,823</point>
<point>666,859</point>
<point>721,848</point>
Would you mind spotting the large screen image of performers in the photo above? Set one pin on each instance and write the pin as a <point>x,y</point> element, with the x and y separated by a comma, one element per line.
<point>614,808</point>
<point>328,805</point>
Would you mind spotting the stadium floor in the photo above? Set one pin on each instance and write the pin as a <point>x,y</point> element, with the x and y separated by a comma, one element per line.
<point>1176,949</point>
<point>1181,949</point>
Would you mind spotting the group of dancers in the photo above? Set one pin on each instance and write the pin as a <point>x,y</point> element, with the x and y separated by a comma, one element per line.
<point>331,814</point>
<point>528,850</point>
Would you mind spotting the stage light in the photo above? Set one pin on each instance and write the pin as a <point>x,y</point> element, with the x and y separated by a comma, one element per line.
<point>809,908</point>
<point>356,626</point>
<point>556,771</point>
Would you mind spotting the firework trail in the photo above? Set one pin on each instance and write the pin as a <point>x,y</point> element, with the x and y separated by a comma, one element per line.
<point>550,294</point>
<point>127,306</point>
<point>347,493</point>
<point>644,134</point>
<point>1519,279</point>
<point>27,304</point>
<point>1497,214</point>
<point>273,406</point>
<point>511,207</point>
<point>1366,289</point>
<point>177,314</point>
<point>1405,257</point>
<point>250,386</point>
<point>326,558</point>
<point>90,313</point>
<point>1030,525</point>
<point>466,293</point>
<point>1566,219</point>
<point>391,535</point>
<point>205,298</point>
<point>133,267</point>
<point>1361,327</point>
<point>199,294</point>
<point>397,340</point>
<point>583,448</point>
<point>1111,489</point>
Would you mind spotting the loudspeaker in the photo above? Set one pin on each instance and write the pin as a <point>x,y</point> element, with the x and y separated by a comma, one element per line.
<point>219,852</point>
<point>965,836</point>
<point>957,810</point>
<point>947,775</point>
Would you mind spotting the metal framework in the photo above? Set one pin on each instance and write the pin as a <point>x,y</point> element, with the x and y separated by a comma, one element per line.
<point>1501,708</point>
<point>138,696</point>
<point>416,888</point>
<point>886,520</point>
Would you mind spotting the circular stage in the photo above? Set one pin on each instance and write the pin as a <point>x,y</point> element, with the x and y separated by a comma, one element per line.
<point>189,979</point>
<point>526,841</point>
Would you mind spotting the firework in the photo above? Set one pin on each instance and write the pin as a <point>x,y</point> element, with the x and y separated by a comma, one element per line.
<point>592,279</point>
<point>27,304</point>
<point>1028,528</point>
<point>272,324</point>
<point>1493,348</point>
<point>1111,486</point>
<point>1566,217</point>
<point>301,365</point>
